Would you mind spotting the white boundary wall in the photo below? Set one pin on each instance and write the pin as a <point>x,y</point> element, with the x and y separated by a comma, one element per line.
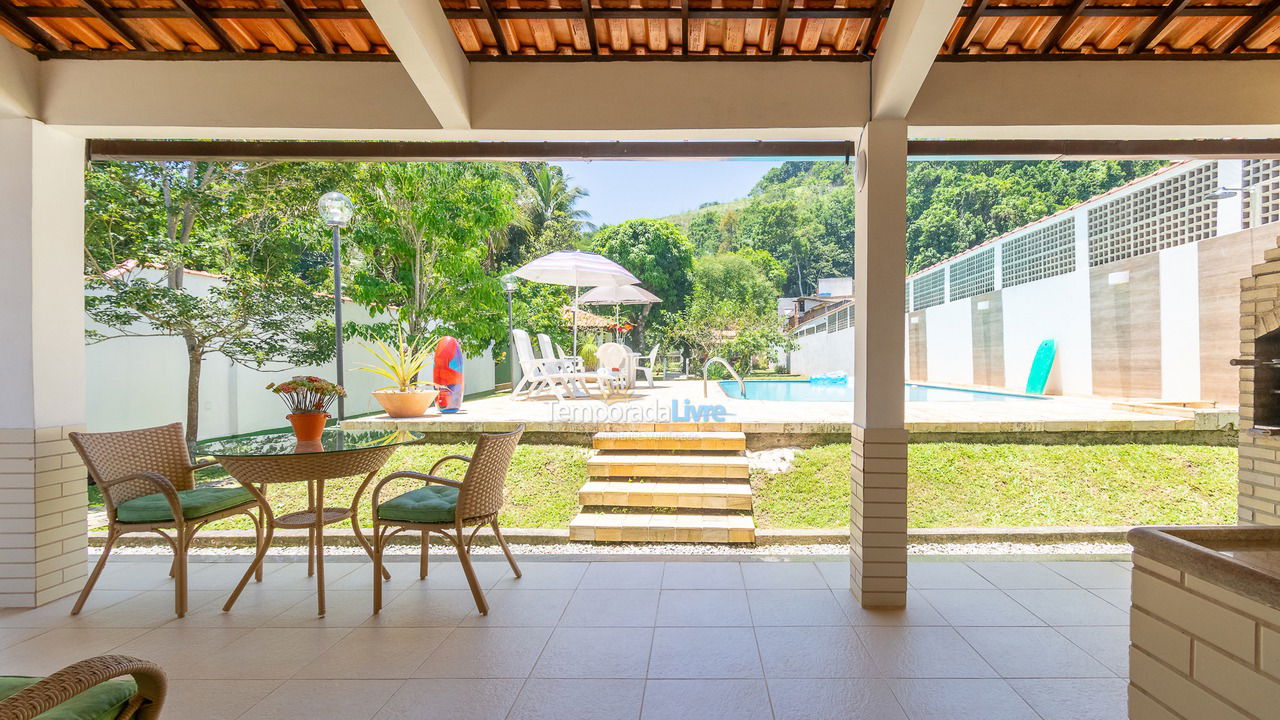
<point>137,382</point>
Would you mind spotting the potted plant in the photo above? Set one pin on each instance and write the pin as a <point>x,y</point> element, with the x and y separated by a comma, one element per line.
<point>308,399</point>
<point>406,396</point>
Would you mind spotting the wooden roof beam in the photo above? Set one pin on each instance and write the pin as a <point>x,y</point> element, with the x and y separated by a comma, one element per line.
<point>873,24</point>
<point>913,36</point>
<point>107,14</point>
<point>684,28</point>
<point>35,34</point>
<point>318,40</point>
<point>590,20</point>
<point>966,29</point>
<point>494,26</point>
<point>424,42</point>
<point>1246,31</point>
<point>197,12</point>
<point>1157,26</point>
<point>779,21</point>
<point>1060,28</point>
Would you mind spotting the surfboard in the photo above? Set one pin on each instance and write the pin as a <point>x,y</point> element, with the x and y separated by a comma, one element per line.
<point>1041,366</point>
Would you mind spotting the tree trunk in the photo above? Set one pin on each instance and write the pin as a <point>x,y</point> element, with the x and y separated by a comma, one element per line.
<point>195,357</point>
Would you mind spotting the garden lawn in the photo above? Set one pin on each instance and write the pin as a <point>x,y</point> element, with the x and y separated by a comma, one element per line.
<point>981,485</point>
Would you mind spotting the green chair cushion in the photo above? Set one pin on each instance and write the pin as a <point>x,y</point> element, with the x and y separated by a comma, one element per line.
<point>195,504</point>
<point>431,504</point>
<point>100,702</point>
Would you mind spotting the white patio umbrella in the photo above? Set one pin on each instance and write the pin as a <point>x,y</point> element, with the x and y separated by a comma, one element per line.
<point>618,295</point>
<point>579,269</point>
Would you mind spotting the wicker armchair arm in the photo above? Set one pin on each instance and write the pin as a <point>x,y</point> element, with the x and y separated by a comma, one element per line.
<point>202,464</point>
<point>163,486</point>
<point>79,677</point>
<point>445,459</point>
<point>428,479</point>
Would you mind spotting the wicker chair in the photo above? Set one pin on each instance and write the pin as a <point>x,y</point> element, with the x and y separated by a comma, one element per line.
<point>147,483</point>
<point>472,502</point>
<point>84,687</point>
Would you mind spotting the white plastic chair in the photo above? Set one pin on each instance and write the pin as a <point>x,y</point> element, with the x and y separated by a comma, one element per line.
<point>647,370</point>
<point>537,373</point>
<point>615,361</point>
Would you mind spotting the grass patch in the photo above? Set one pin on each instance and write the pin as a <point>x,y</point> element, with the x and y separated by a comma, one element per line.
<point>990,485</point>
<point>542,485</point>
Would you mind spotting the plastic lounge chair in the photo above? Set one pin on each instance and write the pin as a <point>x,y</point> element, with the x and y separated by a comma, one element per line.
<point>539,374</point>
<point>647,370</point>
<point>87,689</point>
<point>548,352</point>
<point>575,361</point>
<point>447,507</point>
<point>148,485</point>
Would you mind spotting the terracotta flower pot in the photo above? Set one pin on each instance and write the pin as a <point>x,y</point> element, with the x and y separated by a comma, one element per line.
<point>308,426</point>
<point>413,403</point>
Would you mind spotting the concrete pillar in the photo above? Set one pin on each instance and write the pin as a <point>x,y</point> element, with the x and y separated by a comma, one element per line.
<point>42,481</point>
<point>878,522</point>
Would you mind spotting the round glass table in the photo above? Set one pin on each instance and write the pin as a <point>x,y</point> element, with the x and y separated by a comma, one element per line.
<point>260,460</point>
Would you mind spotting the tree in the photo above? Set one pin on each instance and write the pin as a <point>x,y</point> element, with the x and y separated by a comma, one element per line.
<point>775,227</point>
<point>735,282</point>
<point>660,255</point>
<point>547,217</point>
<point>240,220</point>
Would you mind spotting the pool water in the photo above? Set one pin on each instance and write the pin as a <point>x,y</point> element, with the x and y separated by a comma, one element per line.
<point>805,391</point>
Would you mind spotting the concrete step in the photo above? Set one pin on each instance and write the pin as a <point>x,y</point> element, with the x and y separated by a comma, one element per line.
<point>685,495</point>
<point>669,441</point>
<point>668,466</point>
<point>631,527</point>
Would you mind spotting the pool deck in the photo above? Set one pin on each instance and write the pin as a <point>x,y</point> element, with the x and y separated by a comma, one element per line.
<point>649,409</point>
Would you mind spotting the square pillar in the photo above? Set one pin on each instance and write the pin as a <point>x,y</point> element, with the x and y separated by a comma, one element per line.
<point>878,518</point>
<point>43,535</point>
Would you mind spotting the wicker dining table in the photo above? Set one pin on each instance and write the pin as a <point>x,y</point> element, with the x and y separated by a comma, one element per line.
<point>261,460</point>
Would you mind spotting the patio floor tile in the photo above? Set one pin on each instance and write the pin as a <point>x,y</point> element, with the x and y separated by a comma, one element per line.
<point>706,700</point>
<point>782,575</point>
<point>347,699</point>
<point>54,649</point>
<point>1107,644</point>
<point>795,607</point>
<point>215,699</point>
<point>623,575</point>
<point>592,607</point>
<point>814,652</point>
<point>424,608</point>
<point>1032,652</point>
<point>1081,699</point>
<point>267,653</point>
<point>704,653</point>
<point>1122,599</point>
<point>704,608</point>
<point>945,575</point>
<point>558,699</point>
<point>57,613</point>
<point>1092,575</point>
<point>376,653</point>
<point>343,608</point>
<point>923,652</point>
<point>490,652</point>
<point>254,608</point>
<point>835,573</point>
<point>148,609</point>
<point>455,699</point>
<point>595,653</point>
<point>181,651</point>
<point>833,700</point>
<point>544,576</point>
<point>918,612</point>
<point>1019,575</point>
<point>444,574</point>
<point>979,607</point>
<point>702,576</point>
<point>1070,607</point>
<point>961,700</point>
<point>521,608</point>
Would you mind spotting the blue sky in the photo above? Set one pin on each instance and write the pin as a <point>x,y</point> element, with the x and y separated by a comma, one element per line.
<point>621,190</point>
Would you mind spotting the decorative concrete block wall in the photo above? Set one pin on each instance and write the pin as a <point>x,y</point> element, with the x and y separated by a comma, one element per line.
<point>42,516</point>
<point>1195,644</point>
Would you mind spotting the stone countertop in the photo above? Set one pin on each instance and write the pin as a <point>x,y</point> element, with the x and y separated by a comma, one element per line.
<point>1244,560</point>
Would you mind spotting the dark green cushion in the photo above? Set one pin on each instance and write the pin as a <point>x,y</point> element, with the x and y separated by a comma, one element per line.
<point>100,702</point>
<point>195,503</point>
<point>431,504</point>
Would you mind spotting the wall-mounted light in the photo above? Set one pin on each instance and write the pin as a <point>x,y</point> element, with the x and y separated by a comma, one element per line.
<point>1118,278</point>
<point>915,321</point>
<point>984,304</point>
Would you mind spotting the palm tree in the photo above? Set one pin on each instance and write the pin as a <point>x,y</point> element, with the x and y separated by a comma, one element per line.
<point>549,198</point>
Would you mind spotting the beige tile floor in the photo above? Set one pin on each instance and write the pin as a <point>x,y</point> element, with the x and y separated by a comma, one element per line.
<point>700,639</point>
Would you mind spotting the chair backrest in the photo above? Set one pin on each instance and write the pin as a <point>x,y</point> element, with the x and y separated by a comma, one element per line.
<point>653,355</point>
<point>545,349</point>
<point>560,353</point>
<point>612,356</point>
<point>111,455</point>
<point>481,495</point>
<point>524,351</point>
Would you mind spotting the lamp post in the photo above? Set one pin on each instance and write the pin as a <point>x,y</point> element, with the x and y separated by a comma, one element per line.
<point>336,211</point>
<point>509,286</point>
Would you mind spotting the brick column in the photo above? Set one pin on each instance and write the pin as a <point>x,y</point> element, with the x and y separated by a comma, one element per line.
<point>42,482</point>
<point>878,519</point>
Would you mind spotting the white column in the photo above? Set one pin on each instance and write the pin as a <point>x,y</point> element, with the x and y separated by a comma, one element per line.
<point>878,521</point>
<point>1231,210</point>
<point>42,482</point>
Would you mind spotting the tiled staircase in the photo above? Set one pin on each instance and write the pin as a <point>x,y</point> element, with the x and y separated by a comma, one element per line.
<point>668,486</point>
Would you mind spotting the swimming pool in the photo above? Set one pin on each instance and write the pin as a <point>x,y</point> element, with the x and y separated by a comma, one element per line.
<point>805,391</point>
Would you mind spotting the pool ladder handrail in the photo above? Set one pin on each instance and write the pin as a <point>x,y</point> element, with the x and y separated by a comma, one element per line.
<point>742,388</point>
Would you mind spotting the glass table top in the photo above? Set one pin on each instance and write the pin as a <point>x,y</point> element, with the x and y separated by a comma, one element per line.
<point>332,440</point>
